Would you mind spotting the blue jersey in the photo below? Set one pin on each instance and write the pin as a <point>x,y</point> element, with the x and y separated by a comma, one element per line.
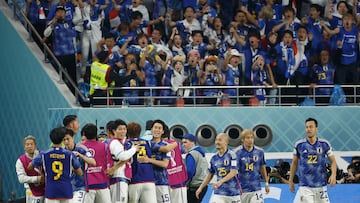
<point>142,172</point>
<point>349,45</point>
<point>221,166</point>
<point>160,173</point>
<point>150,78</point>
<point>323,75</point>
<point>78,182</point>
<point>249,163</point>
<point>312,162</point>
<point>64,34</point>
<point>58,164</point>
<point>232,78</point>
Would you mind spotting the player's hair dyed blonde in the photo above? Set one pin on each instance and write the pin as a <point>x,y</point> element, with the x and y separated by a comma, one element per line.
<point>30,137</point>
<point>246,132</point>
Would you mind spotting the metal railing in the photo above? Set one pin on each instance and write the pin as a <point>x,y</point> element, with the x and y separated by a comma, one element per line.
<point>281,98</point>
<point>48,54</point>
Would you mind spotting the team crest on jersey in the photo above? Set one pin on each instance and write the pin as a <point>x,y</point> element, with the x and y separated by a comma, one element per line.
<point>319,150</point>
<point>226,162</point>
<point>92,152</point>
<point>255,158</point>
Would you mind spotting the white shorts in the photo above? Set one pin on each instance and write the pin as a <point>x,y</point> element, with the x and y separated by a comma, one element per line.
<point>318,194</point>
<point>57,201</point>
<point>252,197</point>
<point>78,196</point>
<point>30,198</point>
<point>142,193</point>
<point>101,196</point>
<point>178,195</point>
<point>224,199</point>
<point>119,192</point>
<point>163,194</point>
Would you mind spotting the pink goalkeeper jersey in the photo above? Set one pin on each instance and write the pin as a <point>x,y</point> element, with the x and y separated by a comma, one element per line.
<point>176,169</point>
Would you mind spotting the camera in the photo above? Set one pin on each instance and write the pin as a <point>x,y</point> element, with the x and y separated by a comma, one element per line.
<point>102,133</point>
<point>162,57</point>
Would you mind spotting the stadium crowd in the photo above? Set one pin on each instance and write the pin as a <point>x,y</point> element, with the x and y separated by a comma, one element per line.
<point>173,43</point>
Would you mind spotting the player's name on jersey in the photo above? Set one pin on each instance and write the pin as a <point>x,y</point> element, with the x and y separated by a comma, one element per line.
<point>57,156</point>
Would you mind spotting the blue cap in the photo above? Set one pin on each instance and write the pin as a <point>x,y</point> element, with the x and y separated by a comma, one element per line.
<point>190,137</point>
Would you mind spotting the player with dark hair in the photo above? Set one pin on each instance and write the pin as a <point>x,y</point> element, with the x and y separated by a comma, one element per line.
<point>97,182</point>
<point>59,164</point>
<point>310,155</point>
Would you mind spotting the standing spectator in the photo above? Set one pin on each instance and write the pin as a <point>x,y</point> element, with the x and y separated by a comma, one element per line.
<point>97,182</point>
<point>322,73</point>
<point>192,72</point>
<point>37,12</point>
<point>310,155</point>
<point>259,78</point>
<point>251,162</point>
<point>58,164</point>
<point>85,158</point>
<point>348,50</point>
<point>174,78</point>
<point>186,26</point>
<point>210,75</point>
<point>289,22</point>
<point>196,165</point>
<point>132,68</point>
<point>100,79</point>
<point>93,15</point>
<point>312,23</point>
<point>64,48</point>
<point>227,10</point>
<point>223,165</point>
<point>71,122</point>
<point>175,43</point>
<point>33,179</point>
<point>230,69</point>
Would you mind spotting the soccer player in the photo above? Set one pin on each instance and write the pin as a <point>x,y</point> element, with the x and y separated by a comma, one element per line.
<point>160,160</point>
<point>33,180</point>
<point>251,163</point>
<point>71,122</point>
<point>119,190</point>
<point>59,164</point>
<point>85,158</point>
<point>223,164</point>
<point>97,182</point>
<point>142,185</point>
<point>310,154</point>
